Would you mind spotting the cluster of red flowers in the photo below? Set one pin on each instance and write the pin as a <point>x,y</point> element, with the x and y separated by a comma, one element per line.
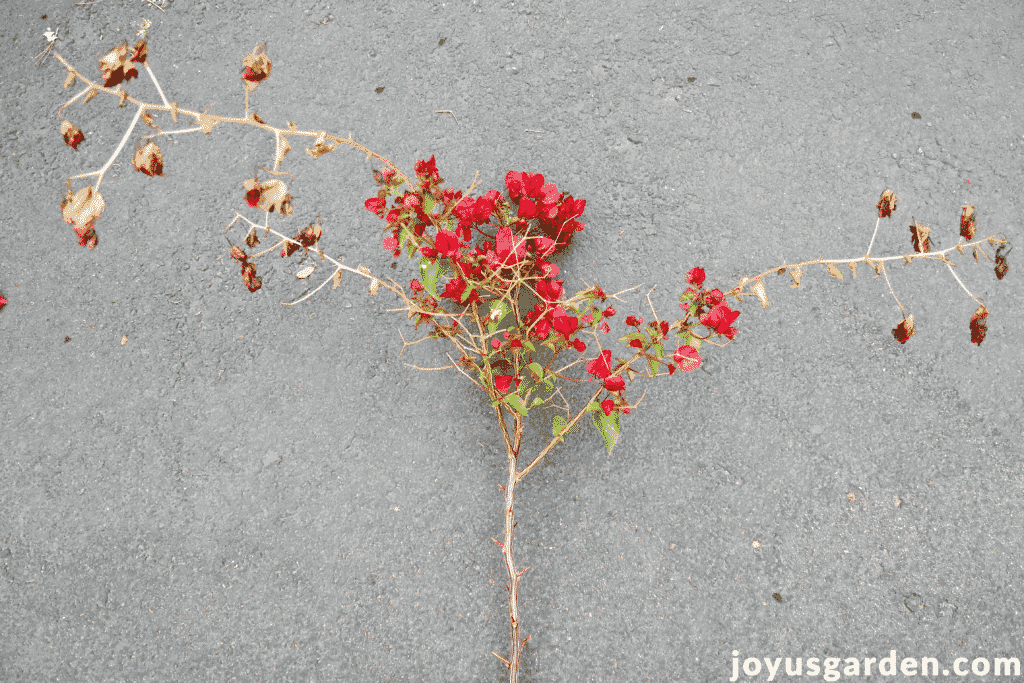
<point>517,241</point>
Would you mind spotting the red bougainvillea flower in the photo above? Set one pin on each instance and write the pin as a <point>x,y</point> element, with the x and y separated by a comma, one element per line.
<point>502,382</point>
<point>695,277</point>
<point>373,205</point>
<point>3,302</point>
<point>455,290</point>
<point>548,269</point>
<point>446,243</point>
<point>511,249</point>
<point>609,312</point>
<point>601,366</point>
<point>604,328</point>
<point>391,244</point>
<point>634,321</point>
<point>579,345</point>
<point>608,406</point>
<point>637,343</point>
<point>615,383</point>
<point>563,323</point>
<point>714,297</point>
<point>417,286</point>
<point>720,319</point>
<point>687,357</point>
<point>550,290</point>
<point>476,211</point>
<point>544,245</point>
<point>426,167</point>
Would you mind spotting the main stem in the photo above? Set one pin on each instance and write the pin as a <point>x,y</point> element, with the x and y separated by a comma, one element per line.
<point>512,449</point>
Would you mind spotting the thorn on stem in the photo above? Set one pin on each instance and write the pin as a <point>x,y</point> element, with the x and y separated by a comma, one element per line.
<point>500,545</point>
<point>508,665</point>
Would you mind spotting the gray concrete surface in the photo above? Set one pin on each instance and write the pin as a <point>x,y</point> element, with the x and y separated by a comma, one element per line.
<point>245,491</point>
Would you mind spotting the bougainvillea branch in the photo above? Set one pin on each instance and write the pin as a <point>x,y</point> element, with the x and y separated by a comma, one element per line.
<point>489,256</point>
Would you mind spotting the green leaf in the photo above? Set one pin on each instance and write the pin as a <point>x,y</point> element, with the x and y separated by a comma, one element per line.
<point>429,272</point>
<point>404,235</point>
<point>428,203</point>
<point>689,340</point>
<point>653,364</point>
<point>557,425</point>
<point>537,401</point>
<point>608,427</point>
<point>529,344</point>
<point>594,406</point>
<point>537,370</point>
<point>517,404</point>
<point>634,335</point>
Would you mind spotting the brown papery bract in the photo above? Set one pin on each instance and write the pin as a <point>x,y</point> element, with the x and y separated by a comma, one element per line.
<point>149,160</point>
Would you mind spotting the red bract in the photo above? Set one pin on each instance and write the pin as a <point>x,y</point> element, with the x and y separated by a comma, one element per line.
<point>446,243</point>
<point>455,289</point>
<point>601,366</point>
<point>416,287</point>
<point>609,312</point>
<point>719,319</point>
<point>550,290</point>
<point>373,205</point>
<point>687,357</point>
<point>502,382</point>
<point>608,406</point>
<point>473,211</point>
<point>695,277</point>
<point>634,321</point>
<point>615,383</point>
<point>3,302</point>
<point>579,345</point>
<point>510,250</point>
<point>548,269</point>
<point>565,324</point>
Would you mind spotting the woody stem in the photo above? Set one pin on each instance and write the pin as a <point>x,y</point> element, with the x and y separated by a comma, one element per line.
<point>506,551</point>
